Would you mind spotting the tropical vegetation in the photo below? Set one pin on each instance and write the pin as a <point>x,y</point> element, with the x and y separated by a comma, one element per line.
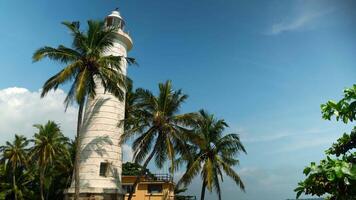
<point>134,169</point>
<point>157,126</point>
<point>37,168</point>
<point>211,153</point>
<point>335,176</point>
<point>197,140</point>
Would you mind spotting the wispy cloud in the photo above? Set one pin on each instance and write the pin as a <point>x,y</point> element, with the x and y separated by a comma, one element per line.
<point>305,143</point>
<point>300,22</point>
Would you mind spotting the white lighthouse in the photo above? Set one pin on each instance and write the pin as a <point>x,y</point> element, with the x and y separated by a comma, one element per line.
<point>101,155</point>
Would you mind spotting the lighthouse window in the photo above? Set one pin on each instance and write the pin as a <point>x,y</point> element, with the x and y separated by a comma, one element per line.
<point>104,168</point>
<point>109,21</point>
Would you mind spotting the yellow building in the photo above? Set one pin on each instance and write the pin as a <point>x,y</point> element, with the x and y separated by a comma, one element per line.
<point>155,187</point>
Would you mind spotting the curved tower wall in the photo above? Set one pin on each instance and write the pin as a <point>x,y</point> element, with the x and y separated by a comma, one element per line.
<point>100,136</point>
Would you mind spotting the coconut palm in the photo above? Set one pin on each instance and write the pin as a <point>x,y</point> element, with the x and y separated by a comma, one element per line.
<point>131,108</point>
<point>85,67</point>
<point>3,183</point>
<point>24,185</point>
<point>214,153</point>
<point>14,156</point>
<point>49,143</point>
<point>60,173</point>
<point>159,127</point>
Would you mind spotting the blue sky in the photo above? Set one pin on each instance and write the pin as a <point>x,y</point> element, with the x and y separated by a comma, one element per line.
<point>264,66</point>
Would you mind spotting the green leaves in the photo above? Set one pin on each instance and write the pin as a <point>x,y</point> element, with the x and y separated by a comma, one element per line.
<point>344,110</point>
<point>154,121</point>
<point>134,169</point>
<point>335,176</point>
<point>332,176</point>
<point>86,60</point>
<point>344,144</point>
<point>22,161</point>
<point>211,153</point>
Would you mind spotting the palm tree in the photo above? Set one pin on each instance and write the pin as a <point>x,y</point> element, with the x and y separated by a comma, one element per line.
<point>24,188</point>
<point>213,153</point>
<point>85,67</point>
<point>131,108</point>
<point>61,173</point>
<point>3,184</point>
<point>49,144</point>
<point>158,125</point>
<point>14,156</point>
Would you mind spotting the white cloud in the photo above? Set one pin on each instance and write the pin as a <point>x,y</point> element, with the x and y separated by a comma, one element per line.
<point>21,108</point>
<point>303,143</point>
<point>249,138</point>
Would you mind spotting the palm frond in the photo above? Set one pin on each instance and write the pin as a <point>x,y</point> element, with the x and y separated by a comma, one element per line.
<point>231,173</point>
<point>191,172</point>
<point>61,54</point>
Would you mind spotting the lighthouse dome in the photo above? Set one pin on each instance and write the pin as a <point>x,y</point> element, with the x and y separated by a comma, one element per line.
<point>115,20</point>
<point>115,13</point>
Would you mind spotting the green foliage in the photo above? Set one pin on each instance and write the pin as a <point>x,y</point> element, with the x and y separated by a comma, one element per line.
<point>344,144</point>
<point>15,154</point>
<point>211,154</point>
<point>336,175</point>
<point>14,160</point>
<point>23,161</point>
<point>156,126</point>
<point>85,62</point>
<point>178,196</point>
<point>134,169</point>
<point>345,109</point>
<point>49,143</point>
<point>332,176</point>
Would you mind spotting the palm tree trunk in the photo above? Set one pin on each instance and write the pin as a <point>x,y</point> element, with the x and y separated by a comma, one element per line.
<point>41,183</point>
<point>141,173</point>
<point>202,195</point>
<point>14,183</point>
<point>77,152</point>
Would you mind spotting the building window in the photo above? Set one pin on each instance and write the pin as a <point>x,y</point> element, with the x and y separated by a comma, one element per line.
<point>154,188</point>
<point>104,169</point>
<point>128,188</point>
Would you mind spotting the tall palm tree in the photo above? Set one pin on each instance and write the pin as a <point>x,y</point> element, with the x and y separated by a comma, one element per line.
<point>131,108</point>
<point>158,125</point>
<point>213,154</point>
<point>14,156</point>
<point>49,143</point>
<point>85,67</point>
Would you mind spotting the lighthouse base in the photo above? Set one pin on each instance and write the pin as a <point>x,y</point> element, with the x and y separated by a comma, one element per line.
<point>94,194</point>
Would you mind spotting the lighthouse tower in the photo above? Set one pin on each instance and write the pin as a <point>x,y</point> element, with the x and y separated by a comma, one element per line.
<point>100,152</point>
